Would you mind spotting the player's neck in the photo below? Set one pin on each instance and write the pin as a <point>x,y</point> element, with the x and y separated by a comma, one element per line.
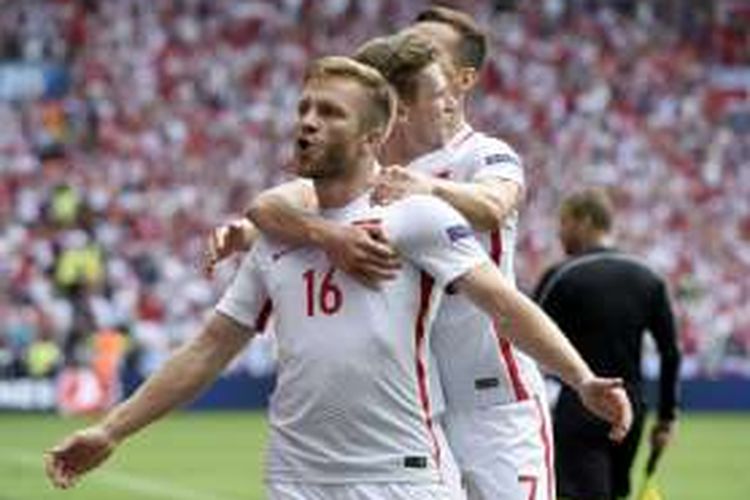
<point>458,126</point>
<point>600,240</point>
<point>414,148</point>
<point>395,150</point>
<point>340,191</point>
<point>392,156</point>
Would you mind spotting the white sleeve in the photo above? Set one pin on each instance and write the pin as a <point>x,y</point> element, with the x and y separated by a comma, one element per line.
<point>494,158</point>
<point>246,300</point>
<point>434,236</point>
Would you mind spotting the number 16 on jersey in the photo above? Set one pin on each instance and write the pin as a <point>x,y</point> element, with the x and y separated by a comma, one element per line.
<point>322,295</point>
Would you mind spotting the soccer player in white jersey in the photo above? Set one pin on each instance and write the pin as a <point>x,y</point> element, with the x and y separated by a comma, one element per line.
<point>350,417</point>
<point>497,420</point>
<point>496,417</point>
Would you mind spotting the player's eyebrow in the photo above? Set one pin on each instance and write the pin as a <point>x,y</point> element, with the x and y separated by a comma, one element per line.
<point>332,108</point>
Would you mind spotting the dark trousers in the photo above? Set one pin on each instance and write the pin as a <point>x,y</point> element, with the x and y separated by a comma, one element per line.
<point>588,464</point>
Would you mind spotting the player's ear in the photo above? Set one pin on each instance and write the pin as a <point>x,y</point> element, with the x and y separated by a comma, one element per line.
<point>466,79</point>
<point>374,139</point>
<point>402,112</point>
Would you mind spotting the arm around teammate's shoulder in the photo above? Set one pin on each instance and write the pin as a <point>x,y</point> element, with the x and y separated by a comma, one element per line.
<point>485,202</point>
<point>271,208</point>
<point>496,186</point>
<point>286,212</point>
<point>227,239</point>
<point>289,213</point>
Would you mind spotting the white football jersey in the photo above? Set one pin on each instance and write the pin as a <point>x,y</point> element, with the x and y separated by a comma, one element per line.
<point>352,402</point>
<point>482,369</point>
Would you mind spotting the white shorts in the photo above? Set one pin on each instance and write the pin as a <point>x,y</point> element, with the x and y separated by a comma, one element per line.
<point>448,489</point>
<point>449,473</point>
<point>371,491</point>
<point>504,452</point>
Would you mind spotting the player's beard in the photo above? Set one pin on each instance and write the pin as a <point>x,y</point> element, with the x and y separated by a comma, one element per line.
<point>326,164</point>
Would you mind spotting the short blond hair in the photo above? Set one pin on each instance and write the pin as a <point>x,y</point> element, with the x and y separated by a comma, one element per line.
<point>377,53</point>
<point>382,98</point>
<point>399,58</point>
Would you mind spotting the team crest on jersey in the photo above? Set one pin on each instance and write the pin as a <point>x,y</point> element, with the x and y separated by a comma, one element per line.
<point>500,158</point>
<point>458,232</point>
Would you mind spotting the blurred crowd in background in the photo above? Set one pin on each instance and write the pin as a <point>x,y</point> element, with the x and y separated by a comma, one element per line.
<point>178,112</point>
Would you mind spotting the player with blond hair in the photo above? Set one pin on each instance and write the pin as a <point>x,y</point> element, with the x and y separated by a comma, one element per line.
<point>350,416</point>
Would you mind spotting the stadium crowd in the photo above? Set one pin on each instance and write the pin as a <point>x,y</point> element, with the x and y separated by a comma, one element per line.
<point>180,111</point>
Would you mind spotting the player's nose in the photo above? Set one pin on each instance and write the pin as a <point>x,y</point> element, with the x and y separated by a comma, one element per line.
<point>309,122</point>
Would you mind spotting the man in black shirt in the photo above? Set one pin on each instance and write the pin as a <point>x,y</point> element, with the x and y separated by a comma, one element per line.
<point>604,301</point>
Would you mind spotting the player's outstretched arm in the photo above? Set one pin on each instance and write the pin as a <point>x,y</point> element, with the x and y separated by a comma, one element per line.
<point>188,371</point>
<point>433,235</point>
<point>534,332</point>
<point>288,213</point>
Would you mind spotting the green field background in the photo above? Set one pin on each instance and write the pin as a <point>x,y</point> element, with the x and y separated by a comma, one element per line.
<point>218,456</point>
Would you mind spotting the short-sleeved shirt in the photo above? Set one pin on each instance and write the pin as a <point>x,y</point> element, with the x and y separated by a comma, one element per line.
<point>352,402</point>
<point>483,369</point>
<point>604,301</point>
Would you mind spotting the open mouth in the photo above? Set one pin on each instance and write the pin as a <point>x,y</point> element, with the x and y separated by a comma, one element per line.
<point>303,144</point>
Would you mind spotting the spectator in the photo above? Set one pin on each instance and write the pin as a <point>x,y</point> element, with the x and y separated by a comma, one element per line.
<point>179,111</point>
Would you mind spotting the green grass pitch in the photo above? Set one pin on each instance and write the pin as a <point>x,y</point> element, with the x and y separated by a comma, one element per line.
<point>218,456</point>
